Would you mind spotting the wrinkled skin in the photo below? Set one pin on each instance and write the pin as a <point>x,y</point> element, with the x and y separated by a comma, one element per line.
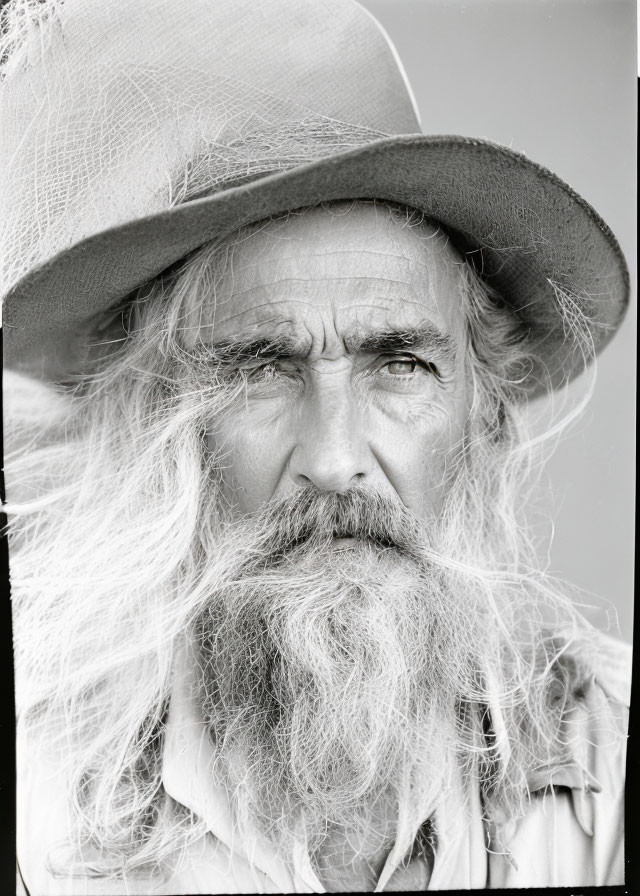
<point>343,412</point>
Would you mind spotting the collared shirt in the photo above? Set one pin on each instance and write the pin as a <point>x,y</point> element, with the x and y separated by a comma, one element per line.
<point>571,835</point>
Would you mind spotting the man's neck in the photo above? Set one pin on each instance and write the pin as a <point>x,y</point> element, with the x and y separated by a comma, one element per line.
<point>345,865</point>
<point>342,867</point>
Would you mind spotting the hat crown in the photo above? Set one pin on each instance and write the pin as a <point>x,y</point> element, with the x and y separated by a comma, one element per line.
<point>114,111</point>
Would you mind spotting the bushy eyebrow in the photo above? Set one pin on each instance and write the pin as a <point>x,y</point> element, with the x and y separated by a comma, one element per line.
<point>244,351</point>
<point>426,336</point>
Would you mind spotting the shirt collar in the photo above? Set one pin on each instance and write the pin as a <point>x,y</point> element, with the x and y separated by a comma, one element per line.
<point>576,771</point>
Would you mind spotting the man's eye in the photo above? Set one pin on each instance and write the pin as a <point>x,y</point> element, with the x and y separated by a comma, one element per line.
<point>265,373</point>
<point>401,367</point>
<point>407,367</point>
<point>269,372</point>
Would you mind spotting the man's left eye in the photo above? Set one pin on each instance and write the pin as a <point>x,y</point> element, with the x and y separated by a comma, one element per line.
<point>403,367</point>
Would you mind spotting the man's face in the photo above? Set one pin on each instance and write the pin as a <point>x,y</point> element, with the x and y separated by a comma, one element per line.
<point>346,327</point>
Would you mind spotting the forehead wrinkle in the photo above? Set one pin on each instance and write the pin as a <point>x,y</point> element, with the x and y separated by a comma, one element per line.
<point>320,279</point>
<point>296,268</point>
<point>398,312</point>
<point>329,263</point>
<point>403,256</point>
<point>371,306</point>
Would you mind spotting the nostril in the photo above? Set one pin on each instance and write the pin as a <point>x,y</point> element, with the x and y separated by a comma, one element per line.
<point>329,461</point>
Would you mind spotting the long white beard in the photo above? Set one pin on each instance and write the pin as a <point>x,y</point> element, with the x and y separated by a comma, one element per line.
<point>472,612</point>
<point>330,680</point>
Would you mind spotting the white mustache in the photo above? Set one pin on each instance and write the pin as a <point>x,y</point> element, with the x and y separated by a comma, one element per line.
<point>311,520</point>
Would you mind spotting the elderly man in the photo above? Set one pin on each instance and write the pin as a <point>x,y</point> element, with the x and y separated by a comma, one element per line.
<point>278,623</point>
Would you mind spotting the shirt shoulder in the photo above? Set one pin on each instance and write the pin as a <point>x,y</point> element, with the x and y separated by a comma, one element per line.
<point>573,832</point>
<point>613,664</point>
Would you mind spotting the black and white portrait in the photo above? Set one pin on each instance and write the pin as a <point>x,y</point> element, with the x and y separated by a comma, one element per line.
<point>318,417</point>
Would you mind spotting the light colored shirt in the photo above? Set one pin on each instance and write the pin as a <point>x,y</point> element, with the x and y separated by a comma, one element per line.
<point>571,835</point>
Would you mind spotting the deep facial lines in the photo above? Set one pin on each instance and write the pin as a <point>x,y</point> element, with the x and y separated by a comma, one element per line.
<point>409,297</point>
<point>255,348</point>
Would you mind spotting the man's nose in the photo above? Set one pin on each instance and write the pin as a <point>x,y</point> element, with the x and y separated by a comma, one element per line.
<point>332,451</point>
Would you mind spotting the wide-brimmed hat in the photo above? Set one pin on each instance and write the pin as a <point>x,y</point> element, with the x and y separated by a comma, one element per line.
<point>136,131</point>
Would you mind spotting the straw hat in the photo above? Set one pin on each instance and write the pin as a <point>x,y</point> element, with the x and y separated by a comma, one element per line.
<point>135,131</point>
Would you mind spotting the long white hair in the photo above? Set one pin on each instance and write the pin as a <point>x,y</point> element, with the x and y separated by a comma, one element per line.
<point>115,531</point>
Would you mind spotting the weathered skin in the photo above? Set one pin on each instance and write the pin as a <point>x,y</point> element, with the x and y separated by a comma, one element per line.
<point>342,414</point>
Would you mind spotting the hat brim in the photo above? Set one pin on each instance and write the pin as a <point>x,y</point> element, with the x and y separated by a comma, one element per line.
<point>528,233</point>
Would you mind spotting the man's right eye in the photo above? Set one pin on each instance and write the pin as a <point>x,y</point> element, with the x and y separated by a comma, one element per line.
<point>265,373</point>
<point>271,372</point>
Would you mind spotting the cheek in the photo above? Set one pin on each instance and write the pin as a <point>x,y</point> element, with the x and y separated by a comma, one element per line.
<point>252,451</point>
<point>415,443</point>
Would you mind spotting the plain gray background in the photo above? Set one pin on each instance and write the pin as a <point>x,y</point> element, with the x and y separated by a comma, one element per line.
<point>555,79</point>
